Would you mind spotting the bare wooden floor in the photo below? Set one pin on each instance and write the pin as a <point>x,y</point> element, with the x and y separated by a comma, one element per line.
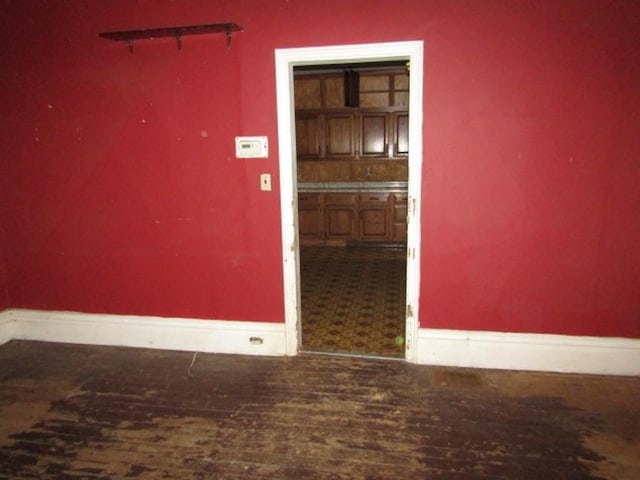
<point>96,413</point>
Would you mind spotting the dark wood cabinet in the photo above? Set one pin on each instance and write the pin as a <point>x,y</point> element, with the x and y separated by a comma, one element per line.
<point>335,218</point>
<point>400,125</point>
<point>340,216</point>
<point>384,89</point>
<point>307,92</point>
<point>333,91</point>
<point>399,217</point>
<point>371,134</point>
<point>319,92</point>
<point>374,134</point>
<point>326,129</point>
<point>339,135</point>
<point>309,143</point>
<point>374,217</point>
<point>352,135</point>
<point>384,134</point>
<point>310,218</point>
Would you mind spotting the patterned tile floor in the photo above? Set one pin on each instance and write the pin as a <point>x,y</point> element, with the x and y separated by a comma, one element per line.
<point>353,300</point>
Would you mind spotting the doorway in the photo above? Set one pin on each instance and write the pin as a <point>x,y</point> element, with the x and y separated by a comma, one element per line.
<point>286,60</point>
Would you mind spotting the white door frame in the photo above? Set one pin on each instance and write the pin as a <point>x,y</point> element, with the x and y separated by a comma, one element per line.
<point>286,59</point>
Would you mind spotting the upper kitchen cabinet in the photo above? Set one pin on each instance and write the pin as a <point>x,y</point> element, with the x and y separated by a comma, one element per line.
<point>352,114</point>
<point>374,134</point>
<point>400,125</point>
<point>317,92</point>
<point>309,138</point>
<point>383,134</point>
<point>379,90</point>
<point>340,135</point>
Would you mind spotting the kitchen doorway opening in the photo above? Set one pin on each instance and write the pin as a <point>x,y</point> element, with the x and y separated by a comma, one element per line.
<point>370,216</point>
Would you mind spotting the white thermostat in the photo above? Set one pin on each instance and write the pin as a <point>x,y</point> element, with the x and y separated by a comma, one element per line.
<point>252,147</point>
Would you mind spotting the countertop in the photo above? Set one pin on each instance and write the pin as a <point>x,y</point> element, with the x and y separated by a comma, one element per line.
<point>352,186</point>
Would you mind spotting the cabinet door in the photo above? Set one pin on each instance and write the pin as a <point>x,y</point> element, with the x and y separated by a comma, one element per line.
<point>339,132</point>
<point>374,223</point>
<point>401,134</point>
<point>374,90</point>
<point>308,130</point>
<point>400,90</point>
<point>374,139</point>
<point>374,216</point>
<point>384,89</point>
<point>399,232</point>
<point>318,91</point>
<point>333,91</point>
<point>307,92</point>
<point>340,222</point>
<point>340,216</point>
<point>310,217</point>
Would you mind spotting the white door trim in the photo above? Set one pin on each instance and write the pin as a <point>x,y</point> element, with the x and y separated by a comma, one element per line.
<point>285,60</point>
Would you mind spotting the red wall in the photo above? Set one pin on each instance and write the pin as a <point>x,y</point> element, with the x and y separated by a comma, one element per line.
<point>120,192</point>
<point>531,218</point>
<point>4,288</point>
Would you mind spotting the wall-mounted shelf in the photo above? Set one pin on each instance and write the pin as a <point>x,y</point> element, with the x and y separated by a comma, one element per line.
<point>178,32</point>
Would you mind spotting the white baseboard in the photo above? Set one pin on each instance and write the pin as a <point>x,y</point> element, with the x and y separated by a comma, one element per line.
<point>454,348</point>
<point>6,327</point>
<point>529,351</point>
<point>212,336</point>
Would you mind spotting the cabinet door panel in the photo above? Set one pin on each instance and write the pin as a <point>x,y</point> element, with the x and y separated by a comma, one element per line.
<point>374,223</point>
<point>374,90</point>
<point>310,223</point>
<point>401,127</point>
<point>308,142</point>
<point>374,99</point>
<point>401,90</point>
<point>334,92</point>
<point>399,233</point>
<point>307,92</point>
<point>340,222</point>
<point>373,135</point>
<point>339,135</point>
<point>401,99</point>
<point>374,83</point>
<point>310,216</point>
<point>401,82</point>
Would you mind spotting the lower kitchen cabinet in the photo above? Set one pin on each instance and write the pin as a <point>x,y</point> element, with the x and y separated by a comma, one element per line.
<point>399,217</point>
<point>374,217</point>
<point>336,218</point>
<point>310,218</point>
<point>340,210</point>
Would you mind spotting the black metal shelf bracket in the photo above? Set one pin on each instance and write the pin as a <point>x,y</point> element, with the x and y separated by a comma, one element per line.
<point>178,32</point>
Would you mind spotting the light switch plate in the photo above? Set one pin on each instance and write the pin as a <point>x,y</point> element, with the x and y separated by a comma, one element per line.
<point>252,147</point>
<point>265,182</point>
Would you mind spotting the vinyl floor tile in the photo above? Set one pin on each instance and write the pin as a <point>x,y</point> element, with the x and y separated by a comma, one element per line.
<point>353,300</point>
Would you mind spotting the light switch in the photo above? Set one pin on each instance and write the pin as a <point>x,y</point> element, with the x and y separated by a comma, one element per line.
<point>265,182</point>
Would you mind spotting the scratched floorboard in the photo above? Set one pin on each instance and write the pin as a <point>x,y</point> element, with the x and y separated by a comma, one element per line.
<point>82,412</point>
